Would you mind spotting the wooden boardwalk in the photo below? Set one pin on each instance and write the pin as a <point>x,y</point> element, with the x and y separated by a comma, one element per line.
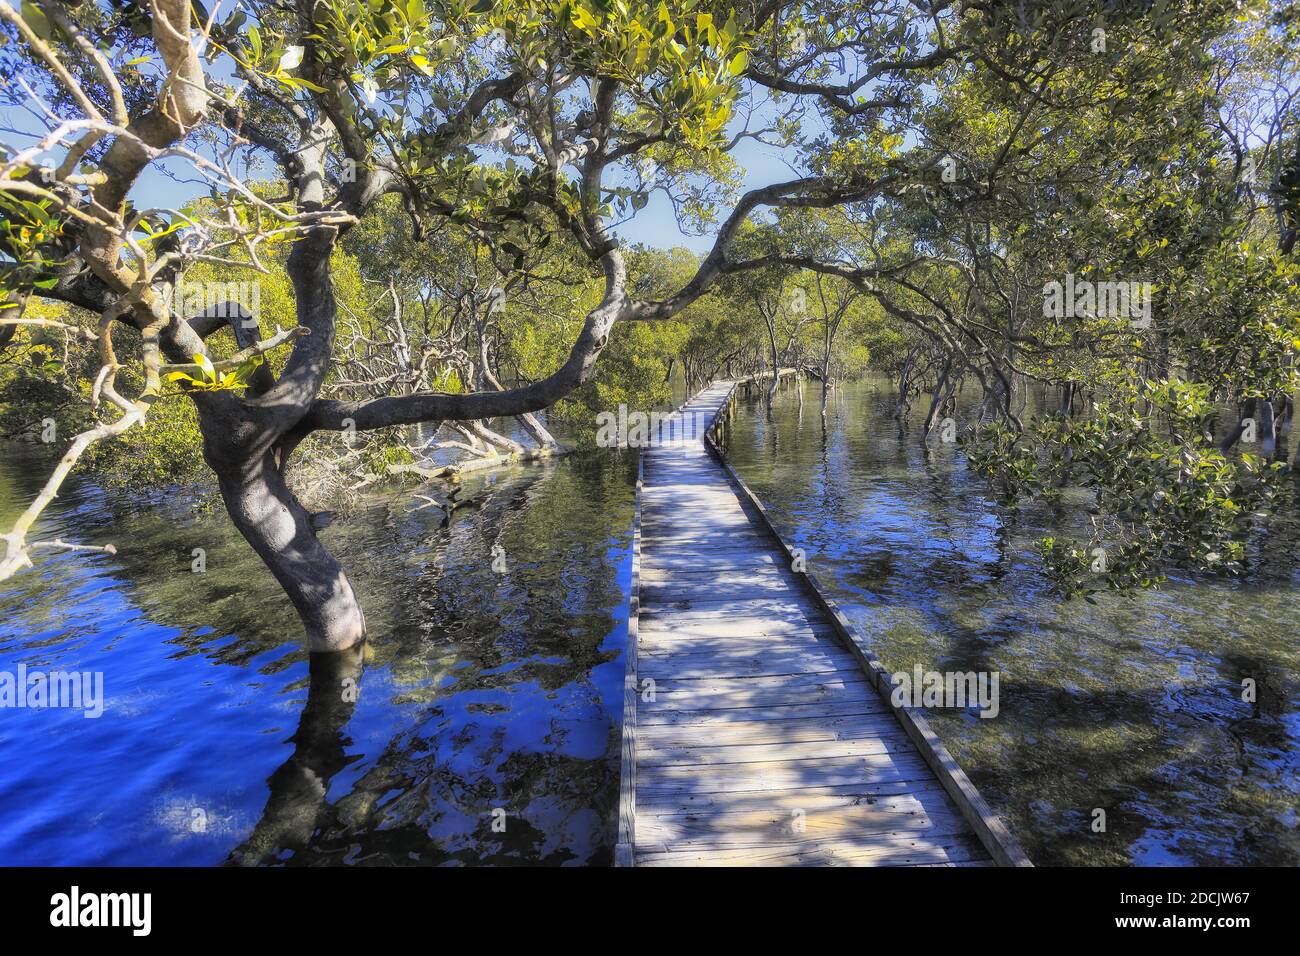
<point>756,727</point>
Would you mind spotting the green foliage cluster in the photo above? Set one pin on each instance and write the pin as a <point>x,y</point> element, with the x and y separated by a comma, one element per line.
<point>947,163</point>
<point>37,385</point>
<point>1163,495</point>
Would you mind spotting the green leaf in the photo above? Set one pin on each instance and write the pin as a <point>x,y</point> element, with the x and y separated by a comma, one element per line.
<point>728,32</point>
<point>205,363</point>
<point>299,81</point>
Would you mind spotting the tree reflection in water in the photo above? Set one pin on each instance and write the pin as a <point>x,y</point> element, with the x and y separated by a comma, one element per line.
<point>478,694</point>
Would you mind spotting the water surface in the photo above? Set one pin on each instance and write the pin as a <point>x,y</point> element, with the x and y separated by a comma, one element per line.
<point>481,727</point>
<point>1132,705</point>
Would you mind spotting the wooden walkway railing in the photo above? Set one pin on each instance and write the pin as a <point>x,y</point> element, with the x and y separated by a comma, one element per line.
<point>758,728</point>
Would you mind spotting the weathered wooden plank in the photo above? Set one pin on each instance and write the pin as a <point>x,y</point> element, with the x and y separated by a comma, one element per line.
<point>723,548</point>
<point>721,714</point>
<point>896,794</point>
<point>853,727</point>
<point>694,633</point>
<point>703,667</point>
<point>657,533</point>
<point>663,644</point>
<point>729,753</point>
<point>709,696</point>
<point>755,828</point>
<point>684,640</point>
<point>766,582</point>
<point>702,562</point>
<point>693,541</point>
<point>689,626</point>
<point>785,774</point>
<point>666,644</point>
<point>756,683</point>
<point>734,617</point>
<point>915,852</point>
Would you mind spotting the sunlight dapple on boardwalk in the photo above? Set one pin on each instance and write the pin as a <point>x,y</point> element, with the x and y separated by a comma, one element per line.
<point>768,738</point>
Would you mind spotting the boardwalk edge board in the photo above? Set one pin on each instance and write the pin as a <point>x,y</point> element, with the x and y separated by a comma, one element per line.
<point>623,850</point>
<point>992,832</point>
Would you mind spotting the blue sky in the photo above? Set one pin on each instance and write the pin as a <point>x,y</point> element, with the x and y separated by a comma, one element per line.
<point>654,225</point>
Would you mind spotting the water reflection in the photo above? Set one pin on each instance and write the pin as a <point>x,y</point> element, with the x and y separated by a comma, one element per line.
<point>481,722</point>
<point>1131,704</point>
<point>300,785</point>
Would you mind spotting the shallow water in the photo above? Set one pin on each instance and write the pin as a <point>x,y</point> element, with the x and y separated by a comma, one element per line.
<point>485,722</point>
<point>1132,705</point>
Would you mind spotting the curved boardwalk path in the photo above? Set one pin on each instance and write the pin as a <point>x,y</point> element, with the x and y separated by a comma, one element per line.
<point>756,727</point>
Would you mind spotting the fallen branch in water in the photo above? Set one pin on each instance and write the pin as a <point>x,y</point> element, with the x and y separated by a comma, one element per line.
<point>457,469</point>
<point>16,546</point>
<point>60,545</point>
